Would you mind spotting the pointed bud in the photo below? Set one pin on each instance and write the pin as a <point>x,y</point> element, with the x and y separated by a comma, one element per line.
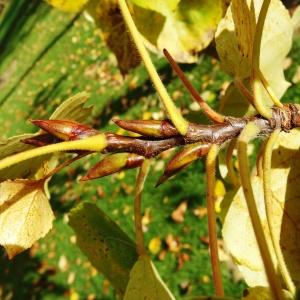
<point>153,128</point>
<point>65,130</point>
<point>114,163</point>
<point>182,159</point>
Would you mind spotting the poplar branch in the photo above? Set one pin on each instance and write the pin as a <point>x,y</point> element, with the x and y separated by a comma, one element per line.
<point>158,136</point>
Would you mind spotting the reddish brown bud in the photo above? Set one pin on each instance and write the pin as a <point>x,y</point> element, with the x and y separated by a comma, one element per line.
<point>182,159</point>
<point>41,140</point>
<point>153,128</point>
<point>114,163</point>
<point>65,130</point>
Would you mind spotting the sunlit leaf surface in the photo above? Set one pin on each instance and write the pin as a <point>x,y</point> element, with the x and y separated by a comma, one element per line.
<point>25,214</point>
<point>237,230</point>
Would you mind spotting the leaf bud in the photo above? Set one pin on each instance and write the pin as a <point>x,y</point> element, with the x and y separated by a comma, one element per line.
<point>114,163</point>
<point>65,130</point>
<point>153,128</point>
<point>183,159</point>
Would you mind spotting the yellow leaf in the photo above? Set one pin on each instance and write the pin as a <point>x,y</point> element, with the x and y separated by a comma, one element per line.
<point>182,27</point>
<point>154,245</point>
<point>25,214</point>
<point>285,212</point>
<point>68,5</point>
<point>263,293</point>
<point>235,36</point>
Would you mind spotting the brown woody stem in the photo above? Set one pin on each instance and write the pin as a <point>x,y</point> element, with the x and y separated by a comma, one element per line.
<point>148,146</point>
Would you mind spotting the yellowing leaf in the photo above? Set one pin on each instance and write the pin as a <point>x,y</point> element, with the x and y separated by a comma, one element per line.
<point>235,36</point>
<point>285,213</point>
<point>296,22</point>
<point>73,109</point>
<point>107,16</point>
<point>182,27</point>
<point>105,244</point>
<point>263,293</point>
<point>68,5</point>
<point>145,282</point>
<point>25,214</point>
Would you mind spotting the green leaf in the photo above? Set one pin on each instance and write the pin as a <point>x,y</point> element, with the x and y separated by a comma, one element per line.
<point>107,247</point>
<point>184,27</point>
<point>145,282</point>
<point>73,109</point>
<point>234,104</point>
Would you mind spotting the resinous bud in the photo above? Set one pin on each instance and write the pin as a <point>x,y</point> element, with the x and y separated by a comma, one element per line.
<point>41,140</point>
<point>65,130</point>
<point>114,163</point>
<point>151,128</point>
<point>182,159</point>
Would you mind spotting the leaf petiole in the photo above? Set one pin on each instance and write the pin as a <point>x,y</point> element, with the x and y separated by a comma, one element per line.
<point>250,132</point>
<point>177,119</point>
<point>212,230</point>
<point>95,144</point>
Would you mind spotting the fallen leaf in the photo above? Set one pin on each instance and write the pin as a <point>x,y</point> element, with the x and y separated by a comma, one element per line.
<point>154,245</point>
<point>145,282</point>
<point>25,214</point>
<point>172,243</point>
<point>178,214</point>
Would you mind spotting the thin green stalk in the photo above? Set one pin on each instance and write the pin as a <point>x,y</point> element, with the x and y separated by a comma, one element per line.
<point>257,82</point>
<point>212,228</point>
<point>179,122</point>
<point>267,175</point>
<point>249,133</point>
<point>95,144</point>
<point>143,172</point>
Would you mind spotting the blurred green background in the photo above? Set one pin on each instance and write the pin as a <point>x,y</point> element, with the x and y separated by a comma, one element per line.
<point>47,56</point>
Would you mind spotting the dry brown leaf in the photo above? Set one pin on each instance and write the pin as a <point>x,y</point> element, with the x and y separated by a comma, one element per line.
<point>25,214</point>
